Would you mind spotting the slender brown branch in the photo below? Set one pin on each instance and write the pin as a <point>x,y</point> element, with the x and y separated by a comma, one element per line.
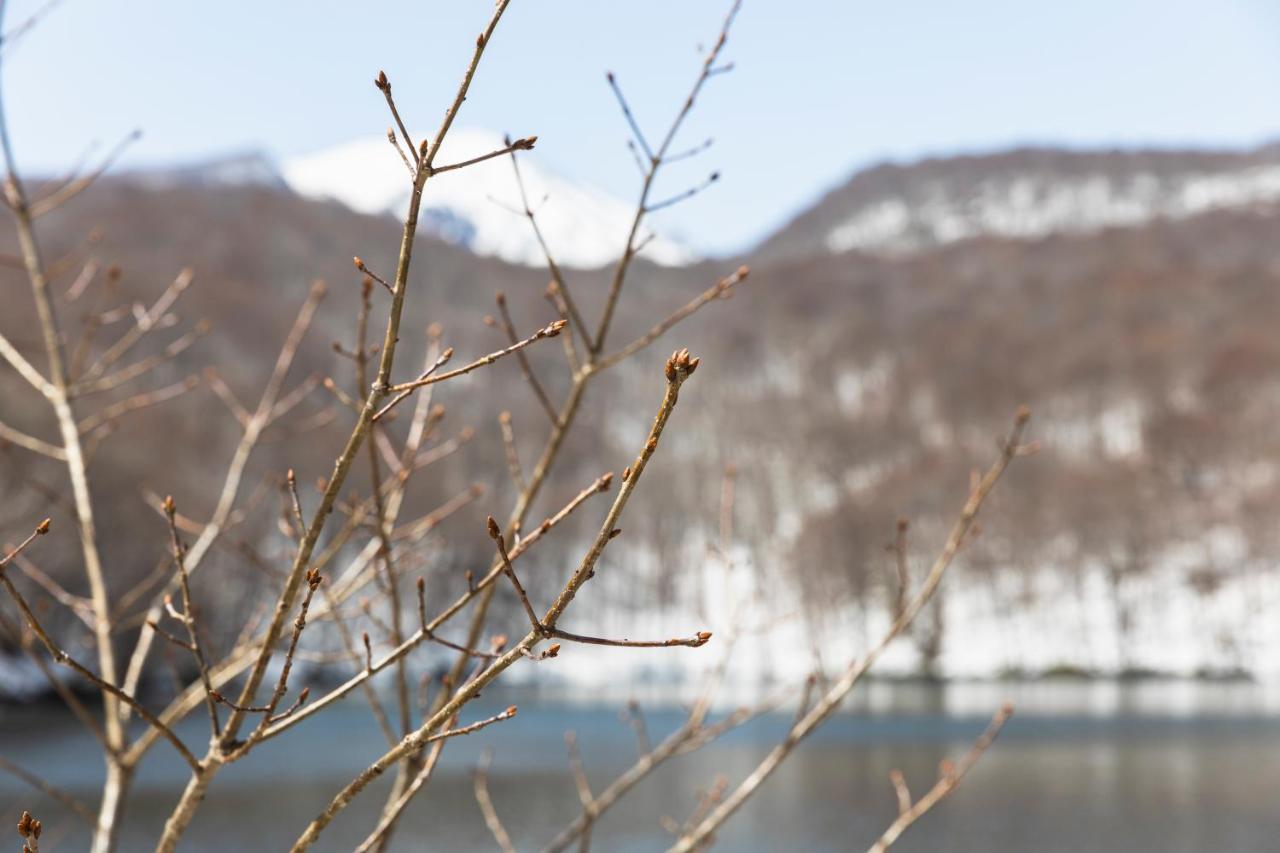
<point>722,289</point>
<point>700,639</point>
<point>525,367</point>
<point>495,533</point>
<point>525,144</point>
<point>188,616</point>
<point>76,807</point>
<point>656,158</point>
<point>948,779</point>
<point>384,86</point>
<point>557,277</point>
<point>631,119</point>
<point>403,390</point>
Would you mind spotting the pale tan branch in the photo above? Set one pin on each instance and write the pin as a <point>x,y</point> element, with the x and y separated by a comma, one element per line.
<point>513,453</point>
<point>63,194</point>
<point>491,820</point>
<point>138,401</point>
<point>27,442</point>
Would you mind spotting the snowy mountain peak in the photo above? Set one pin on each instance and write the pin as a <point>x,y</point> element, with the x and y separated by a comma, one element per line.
<point>584,227</point>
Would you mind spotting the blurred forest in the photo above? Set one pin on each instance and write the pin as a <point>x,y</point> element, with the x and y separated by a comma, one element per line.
<point>848,389</point>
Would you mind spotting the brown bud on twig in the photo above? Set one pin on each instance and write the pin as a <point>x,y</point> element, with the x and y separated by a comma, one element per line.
<point>525,144</point>
<point>681,365</point>
<point>1023,415</point>
<point>500,298</point>
<point>169,507</point>
<point>626,474</point>
<point>615,533</point>
<point>382,82</point>
<point>494,530</point>
<point>605,481</point>
<point>313,578</point>
<point>43,527</point>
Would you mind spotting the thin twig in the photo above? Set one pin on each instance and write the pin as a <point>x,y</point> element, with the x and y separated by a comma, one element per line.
<point>948,779</point>
<point>491,820</point>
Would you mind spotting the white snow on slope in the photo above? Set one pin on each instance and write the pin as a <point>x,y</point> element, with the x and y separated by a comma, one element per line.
<point>1027,206</point>
<point>584,227</point>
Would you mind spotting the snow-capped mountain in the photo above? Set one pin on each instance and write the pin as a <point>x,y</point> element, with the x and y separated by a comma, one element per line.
<point>583,226</point>
<point>1026,193</point>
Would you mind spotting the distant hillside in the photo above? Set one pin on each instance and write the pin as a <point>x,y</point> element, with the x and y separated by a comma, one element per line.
<point>1024,193</point>
<point>847,388</point>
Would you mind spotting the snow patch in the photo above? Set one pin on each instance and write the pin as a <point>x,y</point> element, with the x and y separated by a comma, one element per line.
<point>1029,206</point>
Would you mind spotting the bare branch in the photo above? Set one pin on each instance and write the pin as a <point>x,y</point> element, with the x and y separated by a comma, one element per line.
<point>830,701</point>
<point>405,389</point>
<point>491,819</point>
<point>722,289</point>
<point>948,779</point>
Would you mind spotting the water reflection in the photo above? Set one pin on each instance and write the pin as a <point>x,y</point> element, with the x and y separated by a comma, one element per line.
<point>1158,766</point>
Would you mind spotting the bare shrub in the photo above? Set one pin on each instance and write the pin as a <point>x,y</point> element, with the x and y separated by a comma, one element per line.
<point>351,573</point>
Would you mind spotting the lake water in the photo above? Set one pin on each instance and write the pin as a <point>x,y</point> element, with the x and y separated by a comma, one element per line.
<point>1148,766</point>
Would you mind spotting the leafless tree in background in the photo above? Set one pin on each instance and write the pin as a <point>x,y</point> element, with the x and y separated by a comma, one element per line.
<point>353,562</point>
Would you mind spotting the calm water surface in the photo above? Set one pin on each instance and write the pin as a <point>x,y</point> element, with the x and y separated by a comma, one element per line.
<point>1168,766</point>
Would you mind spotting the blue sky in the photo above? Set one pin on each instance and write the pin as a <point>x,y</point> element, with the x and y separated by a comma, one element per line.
<point>822,87</point>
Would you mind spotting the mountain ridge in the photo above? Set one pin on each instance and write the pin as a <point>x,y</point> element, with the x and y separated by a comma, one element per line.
<point>897,208</point>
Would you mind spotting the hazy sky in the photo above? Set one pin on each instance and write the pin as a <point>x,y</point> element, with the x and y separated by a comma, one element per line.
<point>822,87</point>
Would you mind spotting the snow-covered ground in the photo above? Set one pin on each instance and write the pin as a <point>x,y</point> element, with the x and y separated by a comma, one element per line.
<point>1011,623</point>
<point>1029,206</point>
